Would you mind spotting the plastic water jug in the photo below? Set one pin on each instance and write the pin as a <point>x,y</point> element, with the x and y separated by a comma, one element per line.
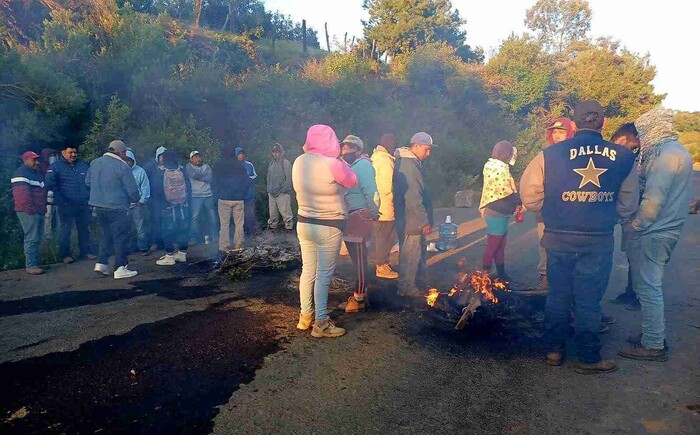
<point>448,235</point>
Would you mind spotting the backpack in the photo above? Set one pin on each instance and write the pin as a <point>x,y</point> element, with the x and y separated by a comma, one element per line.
<point>174,186</point>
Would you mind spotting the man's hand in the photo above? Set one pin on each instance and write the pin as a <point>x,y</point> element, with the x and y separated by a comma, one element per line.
<point>426,230</point>
<point>629,231</point>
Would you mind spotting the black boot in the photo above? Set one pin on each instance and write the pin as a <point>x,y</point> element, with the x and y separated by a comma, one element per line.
<point>501,269</point>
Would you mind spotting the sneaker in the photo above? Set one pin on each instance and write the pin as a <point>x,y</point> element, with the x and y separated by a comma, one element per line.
<point>326,329</point>
<point>625,297</point>
<point>305,321</point>
<point>153,248</point>
<point>124,272</point>
<point>385,271</point>
<point>206,240</point>
<point>34,270</point>
<point>355,306</point>
<point>68,260</point>
<point>102,268</point>
<point>394,249</point>
<point>642,353</point>
<point>636,339</point>
<point>180,256</point>
<point>166,260</point>
<point>634,305</point>
<point>603,366</point>
<point>237,250</point>
<point>555,358</point>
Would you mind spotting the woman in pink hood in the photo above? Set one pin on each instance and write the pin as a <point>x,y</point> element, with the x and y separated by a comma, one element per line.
<point>320,179</point>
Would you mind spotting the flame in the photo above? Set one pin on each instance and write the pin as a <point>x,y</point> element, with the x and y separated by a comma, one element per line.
<point>481,283</point>
<point>453,291</point>
<point>432,296</point>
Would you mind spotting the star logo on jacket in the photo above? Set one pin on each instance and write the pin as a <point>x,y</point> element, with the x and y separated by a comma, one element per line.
<point>590,174</point>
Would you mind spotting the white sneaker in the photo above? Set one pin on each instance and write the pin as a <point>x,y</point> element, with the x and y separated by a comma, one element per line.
<point>180,256</point>
<point>206,240</point>
<point>102,268</point>
<point>124,272</point>
<point>166,260</point>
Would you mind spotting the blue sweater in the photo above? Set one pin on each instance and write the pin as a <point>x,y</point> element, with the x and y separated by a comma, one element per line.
<point>364,194</point>
<point>68,182</point>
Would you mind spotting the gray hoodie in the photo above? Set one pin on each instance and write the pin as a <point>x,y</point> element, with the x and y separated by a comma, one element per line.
<point>412,200</point>
<point>112,183</point>
<point>200,178</point>
<point>279,176</point>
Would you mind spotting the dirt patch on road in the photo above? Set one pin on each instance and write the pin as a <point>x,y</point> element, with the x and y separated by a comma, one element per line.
<point>164,377</point>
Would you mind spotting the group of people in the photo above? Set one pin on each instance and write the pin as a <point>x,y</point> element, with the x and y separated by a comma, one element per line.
<point>180,205</point>
<point>579,187</point>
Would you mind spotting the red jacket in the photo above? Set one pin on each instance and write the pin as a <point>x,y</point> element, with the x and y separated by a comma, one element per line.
<point>28,191</point>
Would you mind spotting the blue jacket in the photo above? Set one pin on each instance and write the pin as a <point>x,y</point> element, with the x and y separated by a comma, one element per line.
<point>364,194</point>
<point>250,169</point>
<point>141,179</point>
<point>413,203</point>
<point>112,184</point>
<point>68,182</point>
<point>584,177</point>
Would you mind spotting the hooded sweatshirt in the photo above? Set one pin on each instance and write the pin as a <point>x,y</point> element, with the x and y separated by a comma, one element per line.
<point>499,192</point>
<point>230,181</point>
<point>141,179</point>
<point>413,204</point>
<point>364,194</point>
<point>665,175</point>
<point>383,164</point>
<point>112,184</point>
<point>319,179</point>
<point>279,176</point>
<point>250,169</point>
<point>200,177</point>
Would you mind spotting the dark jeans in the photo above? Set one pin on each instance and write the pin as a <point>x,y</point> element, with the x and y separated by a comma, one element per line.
<point>175,227</point>
<point>115,231</point>
<point>358,254</point>
<point>155,215</point>
<point>80,214</point>
<point>204,218</point>
<point>251,225</point>
<point>384,237</point>
<point>578,279</point>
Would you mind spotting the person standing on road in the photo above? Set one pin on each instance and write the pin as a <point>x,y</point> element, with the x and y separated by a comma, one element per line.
<point>559,130</point>
<point>230,183</point>
<point>66,178</point>
<point>665,178</point>
<point>499,201</point>
<point>385,227</point>
<point>319,179</point>
<point>279,189</point>
<point>29,195</point>
<point>580,186</point>
<point>203,205</point>
<point>362,201</point>
<point>626,135</point>
<point>137,210</point>
<point>154,170</point>
<point>413,209</point>
<point>112,190</point>
<point>174,187</point>
<point>252,227</point>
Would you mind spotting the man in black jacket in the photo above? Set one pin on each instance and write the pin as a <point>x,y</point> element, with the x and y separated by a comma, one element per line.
<point>230,183</point>
<point>66,178</point>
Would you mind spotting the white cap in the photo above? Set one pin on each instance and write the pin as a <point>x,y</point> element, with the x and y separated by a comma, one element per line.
<point>448,220</point>
<point>194,153</point>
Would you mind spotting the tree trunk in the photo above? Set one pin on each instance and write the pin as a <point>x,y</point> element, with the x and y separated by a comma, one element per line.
<point>197,12</point>
<point>303,35</point>
<point>328,41</point>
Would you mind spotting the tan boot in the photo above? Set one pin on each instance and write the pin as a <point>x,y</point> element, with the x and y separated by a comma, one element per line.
<point>305,321</point>
<point>385,271</point>
<point>355,306</point>
<point>326,329</point>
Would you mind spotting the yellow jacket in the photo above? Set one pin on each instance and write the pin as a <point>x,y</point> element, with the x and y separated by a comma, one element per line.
<point>383,164</point>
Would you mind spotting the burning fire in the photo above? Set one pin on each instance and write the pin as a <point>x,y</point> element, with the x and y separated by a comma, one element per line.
<point>479,282</point>
<point>432,296</point>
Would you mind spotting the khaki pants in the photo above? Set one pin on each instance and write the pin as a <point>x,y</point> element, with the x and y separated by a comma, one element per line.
<point>280,205</point>
<point>542,267</point>
<point>226,210</point>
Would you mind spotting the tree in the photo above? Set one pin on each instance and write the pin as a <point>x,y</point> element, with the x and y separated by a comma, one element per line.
<point>558,23</point>
<point>521,74</point>
<point>399,26</point>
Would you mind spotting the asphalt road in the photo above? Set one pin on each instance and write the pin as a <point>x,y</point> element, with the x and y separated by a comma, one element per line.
<point>183,351</point>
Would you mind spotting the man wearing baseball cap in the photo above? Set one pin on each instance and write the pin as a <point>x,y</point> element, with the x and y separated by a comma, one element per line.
<point>113,189</point>
<point>203,203</point>
<point>29,195</point>
<point>414,214</point>
<point>582,187</point>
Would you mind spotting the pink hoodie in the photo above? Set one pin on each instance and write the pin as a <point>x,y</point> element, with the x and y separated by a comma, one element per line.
<point>319,177</point>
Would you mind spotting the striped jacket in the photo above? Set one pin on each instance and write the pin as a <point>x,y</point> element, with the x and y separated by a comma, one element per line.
<point>28,191</point>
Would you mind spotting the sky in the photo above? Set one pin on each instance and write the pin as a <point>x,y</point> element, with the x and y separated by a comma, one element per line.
<point>663,29</point>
